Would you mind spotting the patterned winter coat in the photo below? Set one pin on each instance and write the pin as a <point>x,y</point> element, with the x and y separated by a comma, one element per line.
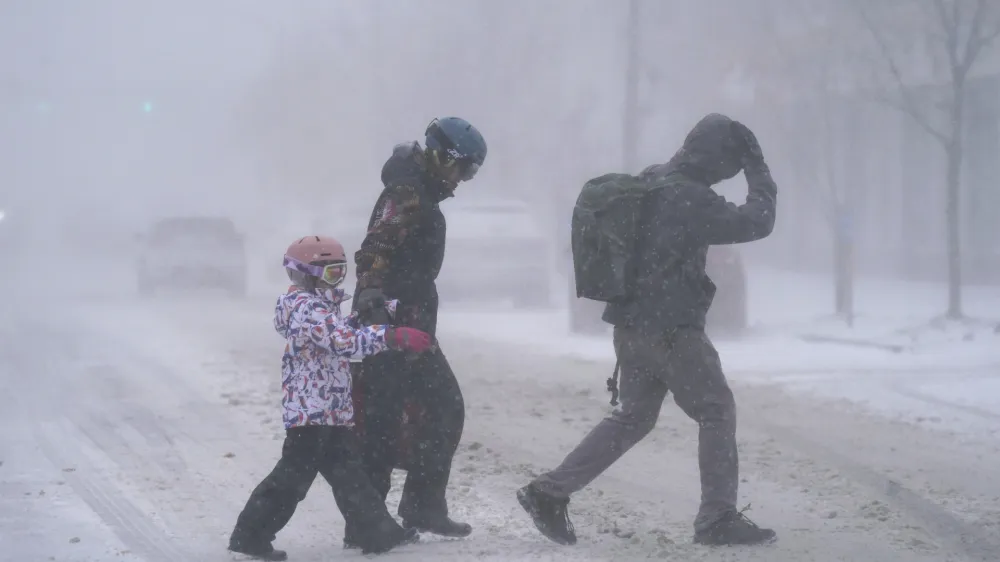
<point>315,368</point>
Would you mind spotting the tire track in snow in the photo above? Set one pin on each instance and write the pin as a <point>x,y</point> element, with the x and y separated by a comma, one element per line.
<point>62,444</point>
<point>903,390</point>
<point>93,440</point>
<point>968,539</point>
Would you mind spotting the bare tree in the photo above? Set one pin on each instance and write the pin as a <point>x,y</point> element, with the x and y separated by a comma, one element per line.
<point>801,57</point>
<point>956,34</point>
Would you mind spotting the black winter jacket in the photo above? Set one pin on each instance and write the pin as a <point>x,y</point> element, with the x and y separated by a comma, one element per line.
<point>685,218</point>
<point>404,248</point>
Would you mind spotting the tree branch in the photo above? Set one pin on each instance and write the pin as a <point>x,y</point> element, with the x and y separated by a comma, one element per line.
<point>950,23</point>
<point>979,38</point>
<point>914,114</point>
<point>906,103</point>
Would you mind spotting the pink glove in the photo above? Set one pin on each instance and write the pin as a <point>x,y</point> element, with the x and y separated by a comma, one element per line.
<point>408,339</point>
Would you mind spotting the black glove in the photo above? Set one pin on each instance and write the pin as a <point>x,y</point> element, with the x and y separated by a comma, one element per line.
<point>370,306</point>
<point>752,153</point>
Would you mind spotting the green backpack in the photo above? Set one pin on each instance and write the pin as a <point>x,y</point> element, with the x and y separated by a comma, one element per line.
<point>605,229</point>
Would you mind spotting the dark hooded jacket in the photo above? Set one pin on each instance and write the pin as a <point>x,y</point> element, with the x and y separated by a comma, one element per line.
<point>685,218</point>
<point>404,248</point>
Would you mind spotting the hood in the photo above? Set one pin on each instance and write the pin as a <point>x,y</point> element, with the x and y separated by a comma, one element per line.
<point>711,152</point>
<point>295,296</point>
<point>406,165</point>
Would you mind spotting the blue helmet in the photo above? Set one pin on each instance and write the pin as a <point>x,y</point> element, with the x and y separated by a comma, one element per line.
<point>458,141</point>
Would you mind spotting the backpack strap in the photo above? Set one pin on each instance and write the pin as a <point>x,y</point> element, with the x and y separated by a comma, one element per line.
<point>613,381</point>
<point>613,384</point>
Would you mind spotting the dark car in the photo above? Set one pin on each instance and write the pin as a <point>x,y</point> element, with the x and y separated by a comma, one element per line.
<point>192,252</point>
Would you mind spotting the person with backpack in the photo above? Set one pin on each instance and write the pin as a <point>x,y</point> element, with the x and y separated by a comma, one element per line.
<point>639,245</point>
<point>400,259</point>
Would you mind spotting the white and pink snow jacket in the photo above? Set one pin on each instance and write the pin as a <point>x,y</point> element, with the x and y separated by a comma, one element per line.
<point>320,341</point>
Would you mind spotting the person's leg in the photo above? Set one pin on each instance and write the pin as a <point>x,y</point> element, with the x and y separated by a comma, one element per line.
<point>433,386</point>
<point>272,503</point>
<point>361,505</point>
<point>642,367</point>
<point>701,390</point>
<point>641,359</point>
<point>384,391</point>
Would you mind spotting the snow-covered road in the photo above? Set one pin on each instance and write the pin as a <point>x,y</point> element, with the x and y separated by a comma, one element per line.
<point>139,427</point>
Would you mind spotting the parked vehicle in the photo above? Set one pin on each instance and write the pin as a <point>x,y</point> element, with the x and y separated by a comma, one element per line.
<point>496,250</point>
<point>728,314</point>
<point>192,252</point>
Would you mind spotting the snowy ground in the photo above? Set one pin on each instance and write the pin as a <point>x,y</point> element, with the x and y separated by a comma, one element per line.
<point>134,430</point>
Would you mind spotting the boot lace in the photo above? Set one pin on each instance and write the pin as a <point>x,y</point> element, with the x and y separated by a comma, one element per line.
<point>560,512</point>
<point>742,517</point>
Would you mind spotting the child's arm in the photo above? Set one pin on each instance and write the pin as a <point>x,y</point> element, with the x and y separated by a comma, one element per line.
<point>390,307</point>
<point>323,328</point>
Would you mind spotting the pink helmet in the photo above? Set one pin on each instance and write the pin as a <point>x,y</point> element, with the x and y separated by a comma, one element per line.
<point>312,249</point>
<point>316,258</point>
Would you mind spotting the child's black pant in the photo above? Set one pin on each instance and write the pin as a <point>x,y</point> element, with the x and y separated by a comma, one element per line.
<point>330,451</point>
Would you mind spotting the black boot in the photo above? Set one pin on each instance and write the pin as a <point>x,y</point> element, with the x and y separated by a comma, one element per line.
<point>735,528</point>
<point>256,549</point>
<point>389,536</point>
<point>549,513</point>
<point>351,540</point>
<point>438,525</point>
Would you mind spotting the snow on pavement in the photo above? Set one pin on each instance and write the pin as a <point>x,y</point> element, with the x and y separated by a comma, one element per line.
<point>945,375</point>
<point>178,400</point>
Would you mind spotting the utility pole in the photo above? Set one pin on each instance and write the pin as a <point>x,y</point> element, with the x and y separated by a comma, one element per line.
<point>379,84</point>
<point>630,125</point>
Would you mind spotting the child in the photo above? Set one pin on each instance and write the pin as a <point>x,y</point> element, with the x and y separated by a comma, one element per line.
<point>318,412</point>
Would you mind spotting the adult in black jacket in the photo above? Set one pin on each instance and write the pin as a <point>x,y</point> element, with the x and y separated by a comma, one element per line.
<point>400,259</point>
<point>660,336</point>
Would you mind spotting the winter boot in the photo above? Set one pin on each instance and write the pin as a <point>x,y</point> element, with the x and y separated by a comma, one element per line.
<point>438,525</point>
<point>549,513</point>
<point>389,536</point>
<point>256,550</point>
<point>352,537</point>
<point>735,528</point>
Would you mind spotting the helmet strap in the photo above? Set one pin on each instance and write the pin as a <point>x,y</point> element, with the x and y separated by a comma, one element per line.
<point>438,165</point>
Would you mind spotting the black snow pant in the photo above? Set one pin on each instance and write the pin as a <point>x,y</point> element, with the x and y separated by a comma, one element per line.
<point>332,452</point>
<point>390,379</point>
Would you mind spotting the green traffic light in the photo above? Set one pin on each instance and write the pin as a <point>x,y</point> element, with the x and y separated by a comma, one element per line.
<point>147,107</point>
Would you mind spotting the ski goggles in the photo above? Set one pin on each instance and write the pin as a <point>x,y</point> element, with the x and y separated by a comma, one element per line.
<point>332,273</point>
<point>467,169</point>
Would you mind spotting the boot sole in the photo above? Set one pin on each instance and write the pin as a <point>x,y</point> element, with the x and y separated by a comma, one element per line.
<point>428,530</point>
<point>411,540</point>
<point>268,557</point>
<point>764,542</point>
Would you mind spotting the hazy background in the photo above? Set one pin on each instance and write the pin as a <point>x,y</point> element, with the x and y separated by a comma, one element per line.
<point>116,112</point>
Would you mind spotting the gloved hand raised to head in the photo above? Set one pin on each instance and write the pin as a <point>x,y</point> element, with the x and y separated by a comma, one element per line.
<point>752,153</point>
<point>408,339</point>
